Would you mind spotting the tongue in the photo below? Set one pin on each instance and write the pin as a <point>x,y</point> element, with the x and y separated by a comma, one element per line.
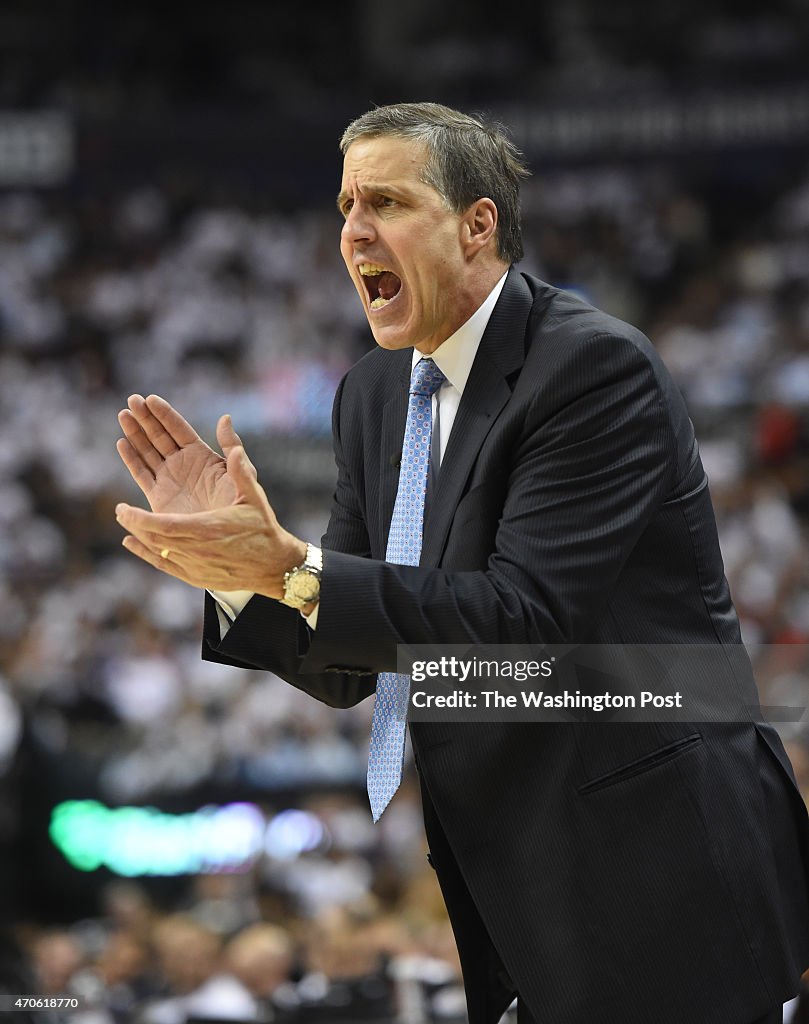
<point>388,284</point>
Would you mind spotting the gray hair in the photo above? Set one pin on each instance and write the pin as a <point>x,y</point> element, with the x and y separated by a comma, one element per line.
<point>468,158</point>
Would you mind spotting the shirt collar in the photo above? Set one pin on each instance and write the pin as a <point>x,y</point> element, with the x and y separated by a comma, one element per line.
<point>455,356</point>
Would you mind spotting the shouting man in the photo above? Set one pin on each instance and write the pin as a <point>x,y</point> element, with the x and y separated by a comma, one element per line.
<point>549,490</point>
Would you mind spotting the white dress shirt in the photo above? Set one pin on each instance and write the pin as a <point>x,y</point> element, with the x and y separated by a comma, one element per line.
<point>454,358</point>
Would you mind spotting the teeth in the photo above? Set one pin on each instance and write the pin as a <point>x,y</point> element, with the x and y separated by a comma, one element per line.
<point>379,302</point>
<point>370,269</point>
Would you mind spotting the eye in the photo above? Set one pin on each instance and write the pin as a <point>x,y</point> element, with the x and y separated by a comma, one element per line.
<point>345,208</point>
<point>386,201</point>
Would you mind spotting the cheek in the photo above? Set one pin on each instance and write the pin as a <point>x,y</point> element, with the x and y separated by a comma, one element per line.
<point>437,276</point>
<point>345,252</point>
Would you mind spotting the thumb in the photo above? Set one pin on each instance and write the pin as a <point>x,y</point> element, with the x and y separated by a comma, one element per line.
<point>243,473</point>
<point>226,435</point>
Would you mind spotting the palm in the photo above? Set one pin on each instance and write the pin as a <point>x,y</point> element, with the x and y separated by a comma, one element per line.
<point>169,461</point>
<point>192,479</point>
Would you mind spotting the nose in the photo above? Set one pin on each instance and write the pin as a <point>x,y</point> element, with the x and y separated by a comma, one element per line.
<point>358,226</point>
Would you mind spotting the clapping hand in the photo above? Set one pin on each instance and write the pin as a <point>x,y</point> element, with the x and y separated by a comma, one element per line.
<point>211,524</point>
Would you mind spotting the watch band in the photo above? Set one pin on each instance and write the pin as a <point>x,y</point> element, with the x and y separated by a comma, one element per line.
<point>313,560</point>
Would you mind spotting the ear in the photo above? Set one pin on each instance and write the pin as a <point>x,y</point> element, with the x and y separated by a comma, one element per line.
<point>479,226</point>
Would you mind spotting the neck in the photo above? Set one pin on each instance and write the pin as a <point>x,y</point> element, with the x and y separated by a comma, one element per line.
<point>469,303</point>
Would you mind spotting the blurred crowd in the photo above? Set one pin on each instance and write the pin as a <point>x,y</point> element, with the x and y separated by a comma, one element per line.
<point>218,957</point>
<point>237,307</point>
<point>127,62</point>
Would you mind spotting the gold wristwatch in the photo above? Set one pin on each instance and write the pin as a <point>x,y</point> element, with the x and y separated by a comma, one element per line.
<point>302,584</point>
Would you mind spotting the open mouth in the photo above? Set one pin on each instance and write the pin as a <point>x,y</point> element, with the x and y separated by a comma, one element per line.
<point>382,285</point>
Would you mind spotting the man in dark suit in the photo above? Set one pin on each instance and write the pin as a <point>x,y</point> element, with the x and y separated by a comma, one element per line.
<point>621,873</point>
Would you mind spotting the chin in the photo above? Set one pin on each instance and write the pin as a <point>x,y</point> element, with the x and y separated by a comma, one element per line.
<point>392,344</point>
<point>390,339</point>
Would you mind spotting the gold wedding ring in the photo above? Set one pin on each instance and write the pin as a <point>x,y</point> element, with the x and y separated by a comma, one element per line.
<point>165,552</point>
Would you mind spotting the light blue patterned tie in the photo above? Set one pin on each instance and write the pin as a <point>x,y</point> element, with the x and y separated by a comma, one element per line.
<point>386,754</point>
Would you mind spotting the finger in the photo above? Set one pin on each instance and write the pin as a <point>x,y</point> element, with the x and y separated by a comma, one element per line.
<point>166,565</point>
<point>160,438</point>
<point>244,475</point>
<point>160,528</point>
<point>136,437</point>
<point>155,542</point>
<point>175,425</point>
<point>138,469</point>
<point>226,435</point>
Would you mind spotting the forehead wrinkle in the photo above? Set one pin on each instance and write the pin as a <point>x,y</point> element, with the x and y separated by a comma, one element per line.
<point>383,164</point>
<point>375,187</point>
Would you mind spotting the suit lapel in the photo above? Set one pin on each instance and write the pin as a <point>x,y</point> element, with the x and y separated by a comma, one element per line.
<point>394,415</point>
<point>501,352</point>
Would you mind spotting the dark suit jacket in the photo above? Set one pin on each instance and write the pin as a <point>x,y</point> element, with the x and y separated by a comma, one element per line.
<point>614,872</point>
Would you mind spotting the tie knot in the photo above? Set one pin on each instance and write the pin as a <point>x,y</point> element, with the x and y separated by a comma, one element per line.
<point>426,378</point>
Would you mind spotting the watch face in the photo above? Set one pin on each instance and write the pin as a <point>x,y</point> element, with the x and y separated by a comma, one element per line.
<point>304,586</point>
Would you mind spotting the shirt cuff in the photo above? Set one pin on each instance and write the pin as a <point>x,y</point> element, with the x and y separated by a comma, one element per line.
<point>311,618</point>
<point>228,605</point>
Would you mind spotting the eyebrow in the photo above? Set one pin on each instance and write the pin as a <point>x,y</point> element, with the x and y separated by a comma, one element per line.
<point>374,187</point>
